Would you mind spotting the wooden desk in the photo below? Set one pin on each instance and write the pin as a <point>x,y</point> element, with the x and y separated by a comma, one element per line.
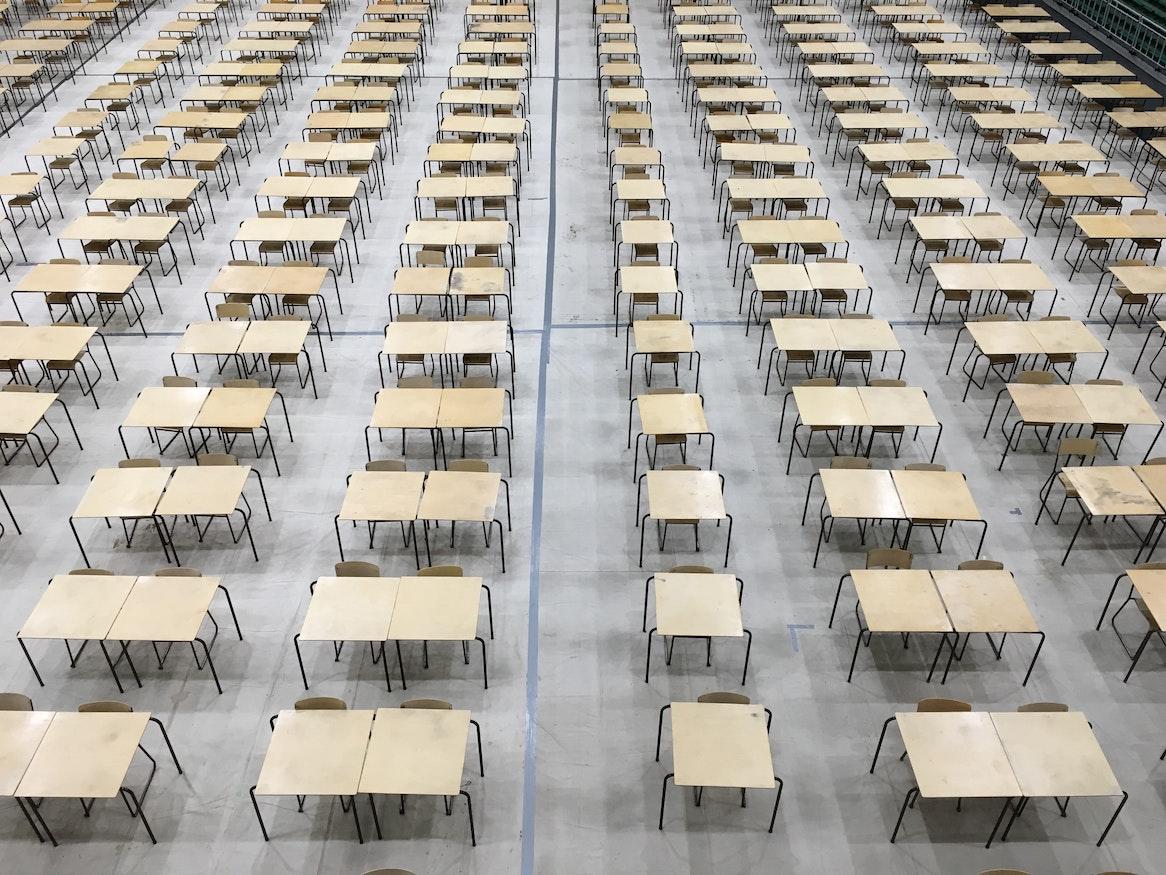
<point>682,497</point>
<point>350,609</point>
<point>668,415</point>
<point>899,602</point>
<point>719,745</point>
<point>463,496</point>
<point>382,496</point>
<point>439,609</point>
<point>696,606</point>
<point>315,753</point>
<point>417,752</point>
<point>1109,490</point>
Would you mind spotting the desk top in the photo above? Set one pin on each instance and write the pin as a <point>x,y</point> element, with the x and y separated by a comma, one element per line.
<point>383,496</point>
<point>350,609</point>
<point>698,605</point>
<point>461,496</point>
<point>957,755</point>
<point>315,753</point>
<point>123,492</point>
<point>416,752</point>
<point>720,745</point>
<point>164,609</point>
<point>678,495</point>
<point>1055,754</point>
<point>900,601</point>
<point>83,756</point>
<point>436,609</point>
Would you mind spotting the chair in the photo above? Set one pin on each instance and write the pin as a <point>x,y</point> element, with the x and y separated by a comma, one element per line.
<point>357,569</point>
<point>980,565</point>
<point>177,571</point>
<point>889,557</point>
<point>427,705</point>
<point>394,465</point>
<point>441,571</point>
<point>139,463</point>
<point>1042,707</point>
<point>723,698</point>
<point>15,702</point>
<point>321,703</point>
<point>105,707</point>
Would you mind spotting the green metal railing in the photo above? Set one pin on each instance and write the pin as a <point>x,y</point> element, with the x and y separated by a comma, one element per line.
<point>1138,24</point>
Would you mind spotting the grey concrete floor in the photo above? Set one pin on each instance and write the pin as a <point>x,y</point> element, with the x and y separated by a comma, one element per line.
<point>566,664</point>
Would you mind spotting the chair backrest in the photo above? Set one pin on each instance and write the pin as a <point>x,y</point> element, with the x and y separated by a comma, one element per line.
<point>1103,381</point>
<point>139,463</point>
<point>179,571</point>
<point>18,387</point>
<point>690,569</point>
<point>475,466</point>
<point>96,572</point>
<point>441,571</point>
<point>1035,378</point>
<point>888,557</point>
<point>980,565</point>
<point>357,569</point>
<point>420,381</point>
<point>240,384</point>
<point>321,703</point>
<point>1045,707</point>
<point>723,698</point>
<point>172,382</point>
<point>924,466</point>
<point>931,705</point>
<point>428,704</point>
<point>220,459</point>
<point>850,463</point>
<point>105,707</point>
<point>887,383</point>
<point>15,702</point>
<point>396,465</point>
<point>827,382</point>
<point>389,872</point>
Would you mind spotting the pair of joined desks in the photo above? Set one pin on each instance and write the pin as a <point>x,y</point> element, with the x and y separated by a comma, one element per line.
<point>227,410</point>
<point>274,281</point>
<point>1117,491</point>
<point>1014,282</point>
<point>1002,344</point>
<point>380,609</point>
<point>887,409</point>
<point>55,346</point>
<point>459,236</point>
<point>125,609</point>
<point>848,340</point>
<point>905,602</point>
<point>389,752</point>
<point>405,497</point>
<point>1079,405</point>
<point>241,338</point>
<point>434,410</point>
<point>70,755</point>
<point>446,341</point>
<point>451,285</point>
<point>923,499</point>
<point>1009,755</point>
<point>134,494</point>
